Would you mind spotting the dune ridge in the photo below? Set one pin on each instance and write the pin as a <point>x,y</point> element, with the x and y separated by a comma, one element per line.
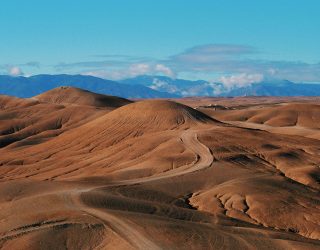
<point>72,95</point>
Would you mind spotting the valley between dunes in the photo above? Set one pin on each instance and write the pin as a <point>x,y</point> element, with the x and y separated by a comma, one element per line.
<point>79,170</point>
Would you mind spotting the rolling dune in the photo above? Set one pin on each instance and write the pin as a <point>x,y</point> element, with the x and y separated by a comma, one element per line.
<point>156,174</point>
<point>72,95</point>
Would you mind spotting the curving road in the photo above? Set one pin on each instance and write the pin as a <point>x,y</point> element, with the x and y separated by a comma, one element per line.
<point>203,160</point>
<point>204,155</point>
<point>136,238</point>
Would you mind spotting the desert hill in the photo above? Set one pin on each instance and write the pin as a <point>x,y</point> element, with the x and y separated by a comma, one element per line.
<point>293,118</point>
<point>160,114</point>
<point>10,102</point>
<point>291,114</point>
<point>72,95</point>
<point>31,121</point>
<point>137,119</point>
<point>158,122</point>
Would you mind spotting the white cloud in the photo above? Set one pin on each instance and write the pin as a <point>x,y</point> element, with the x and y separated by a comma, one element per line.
<point>149,68</point>
<point>132,70</point>
<point>240,80</point>
<point>163,86</point>
<point>157,84</point>
<point>160,68</point>
<point>139,69</point>
<point>15,71</point>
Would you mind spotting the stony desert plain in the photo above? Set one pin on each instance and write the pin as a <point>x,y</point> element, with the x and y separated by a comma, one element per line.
<point>80,170</point>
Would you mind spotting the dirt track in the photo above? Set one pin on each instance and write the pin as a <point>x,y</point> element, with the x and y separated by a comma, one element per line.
<point>203,160</point>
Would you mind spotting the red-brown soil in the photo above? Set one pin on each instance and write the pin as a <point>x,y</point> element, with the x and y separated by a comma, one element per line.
<point>85,171</point>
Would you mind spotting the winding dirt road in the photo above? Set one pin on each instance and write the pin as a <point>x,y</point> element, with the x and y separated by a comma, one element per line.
<point>203,159</point>
<point>122,226</point>
<point>137,239</point>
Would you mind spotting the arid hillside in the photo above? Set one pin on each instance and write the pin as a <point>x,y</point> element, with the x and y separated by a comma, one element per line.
<point>31,121</point>
<point>71,95</point>
<point>80,170</point>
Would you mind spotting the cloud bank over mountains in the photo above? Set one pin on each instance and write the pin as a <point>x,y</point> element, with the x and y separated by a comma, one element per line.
<point>231,64</point>
<point>241,80</point>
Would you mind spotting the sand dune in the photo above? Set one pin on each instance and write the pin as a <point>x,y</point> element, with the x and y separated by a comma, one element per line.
<point>32,121</point>
<point>157,174</point>
<point>71,95</point>
<point>284,115</point>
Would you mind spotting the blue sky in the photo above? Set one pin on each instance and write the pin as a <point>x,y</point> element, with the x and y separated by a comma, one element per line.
<point>209,39</point>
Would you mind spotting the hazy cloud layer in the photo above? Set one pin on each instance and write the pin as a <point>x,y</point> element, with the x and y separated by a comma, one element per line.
<point>236,59</point>
<point>17,70</point>
<point>132,70</point>
<point>89,64</point>
<point>227,61</point>
<point>233,65</point>
<point>211,53</point>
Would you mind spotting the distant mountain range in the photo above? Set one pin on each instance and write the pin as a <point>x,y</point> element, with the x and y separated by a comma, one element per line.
<point>150,87</point>
<point>184,88</point>
<point>178,87</point>
<point>276,88</point>
<point>35,85</point>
